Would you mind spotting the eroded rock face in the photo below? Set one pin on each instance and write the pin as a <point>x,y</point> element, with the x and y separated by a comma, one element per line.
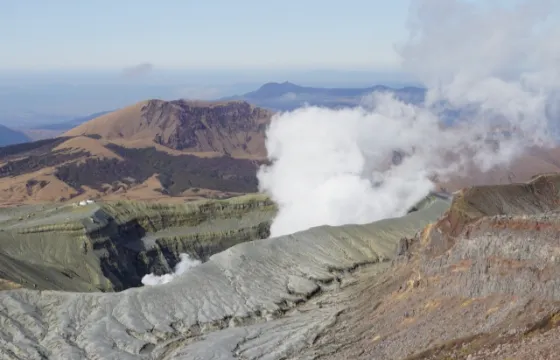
<point>474,280</point>
<point>222,127</point>
<point>480,283</point>
<point>244,301</point>
<point>111,246</point>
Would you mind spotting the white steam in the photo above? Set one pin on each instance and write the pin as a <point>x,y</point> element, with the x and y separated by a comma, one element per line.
<point>184,265</point>
<point>499,66</point>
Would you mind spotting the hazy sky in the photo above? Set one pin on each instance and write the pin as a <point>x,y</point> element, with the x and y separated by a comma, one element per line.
<point>65,34</point>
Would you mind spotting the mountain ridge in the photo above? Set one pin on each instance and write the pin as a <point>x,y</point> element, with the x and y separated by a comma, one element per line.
<point>392,289</point>
<point>233,128</point>
<point>153,150</point>
<point>9,136</point>
<point>288,96</point>
<point>70,124</point>
<point>174,151</point>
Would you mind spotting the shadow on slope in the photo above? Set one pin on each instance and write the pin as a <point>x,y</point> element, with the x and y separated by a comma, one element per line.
<point>177,173</point>
<point>80,170</point>
<point>112,246</point>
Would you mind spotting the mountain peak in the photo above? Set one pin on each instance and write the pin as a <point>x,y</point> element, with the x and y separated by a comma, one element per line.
<point>227,127</point>
<point>273,89</point>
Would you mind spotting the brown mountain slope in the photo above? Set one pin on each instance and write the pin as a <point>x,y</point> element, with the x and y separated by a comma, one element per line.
<point>233,128</point>
<point>174,150</point>
<point>76,168</point>
<point>480,283</point>
<point>64,169</point>
<point>153,150</point>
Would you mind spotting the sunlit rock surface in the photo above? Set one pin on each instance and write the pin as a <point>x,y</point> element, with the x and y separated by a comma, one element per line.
<point>259,299</point>
<point>474,278</point>
<point>111,246</point>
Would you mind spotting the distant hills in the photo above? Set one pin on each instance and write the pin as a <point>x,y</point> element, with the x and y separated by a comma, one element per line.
<point>233,128</point>
<point>67,125</point>
<point>289,96</point>
<point>51,130</point>
<point>9,136</point>
<point>273,96</point>
<point>180,150</point>
<point>155,149</point>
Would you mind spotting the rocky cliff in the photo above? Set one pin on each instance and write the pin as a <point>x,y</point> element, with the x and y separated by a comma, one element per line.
<point>480,283</point>
<point>233,128</point>
<point>111,246</point>
<point>474,278</point>
<point>234,294</point>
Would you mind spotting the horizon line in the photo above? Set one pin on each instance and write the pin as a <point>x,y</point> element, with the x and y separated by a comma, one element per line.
<point>349,69</point>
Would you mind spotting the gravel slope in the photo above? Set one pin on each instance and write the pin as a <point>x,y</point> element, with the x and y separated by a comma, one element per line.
<point>243,296</point>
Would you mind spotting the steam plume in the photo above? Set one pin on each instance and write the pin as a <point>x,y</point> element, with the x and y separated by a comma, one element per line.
<point>498,66</point>
<point>184,265</point>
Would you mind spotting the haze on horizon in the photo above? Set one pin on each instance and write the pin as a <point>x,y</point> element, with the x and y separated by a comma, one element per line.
<point>214,34</point>
<point>64,59</point>
<point>136,38</point>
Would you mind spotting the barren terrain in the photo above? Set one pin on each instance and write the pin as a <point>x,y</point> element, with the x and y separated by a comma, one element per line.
<point>176,151</point>
<point>111,245</point>
<point>232,128</point>
<point>474,278</point>
<point>154,150</point>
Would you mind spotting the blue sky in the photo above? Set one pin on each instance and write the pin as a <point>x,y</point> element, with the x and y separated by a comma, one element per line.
<point>225,34</point>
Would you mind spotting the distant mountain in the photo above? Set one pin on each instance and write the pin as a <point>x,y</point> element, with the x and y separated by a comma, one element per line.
<point>9,136</point>
<point>152,150</point>
<point>54,129</point>
<point>288,96</point>
<point>67,125</point>
<point>233,128</point>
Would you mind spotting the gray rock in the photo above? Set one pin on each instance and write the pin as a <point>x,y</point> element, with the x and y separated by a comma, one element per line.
<point>226,308</point>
